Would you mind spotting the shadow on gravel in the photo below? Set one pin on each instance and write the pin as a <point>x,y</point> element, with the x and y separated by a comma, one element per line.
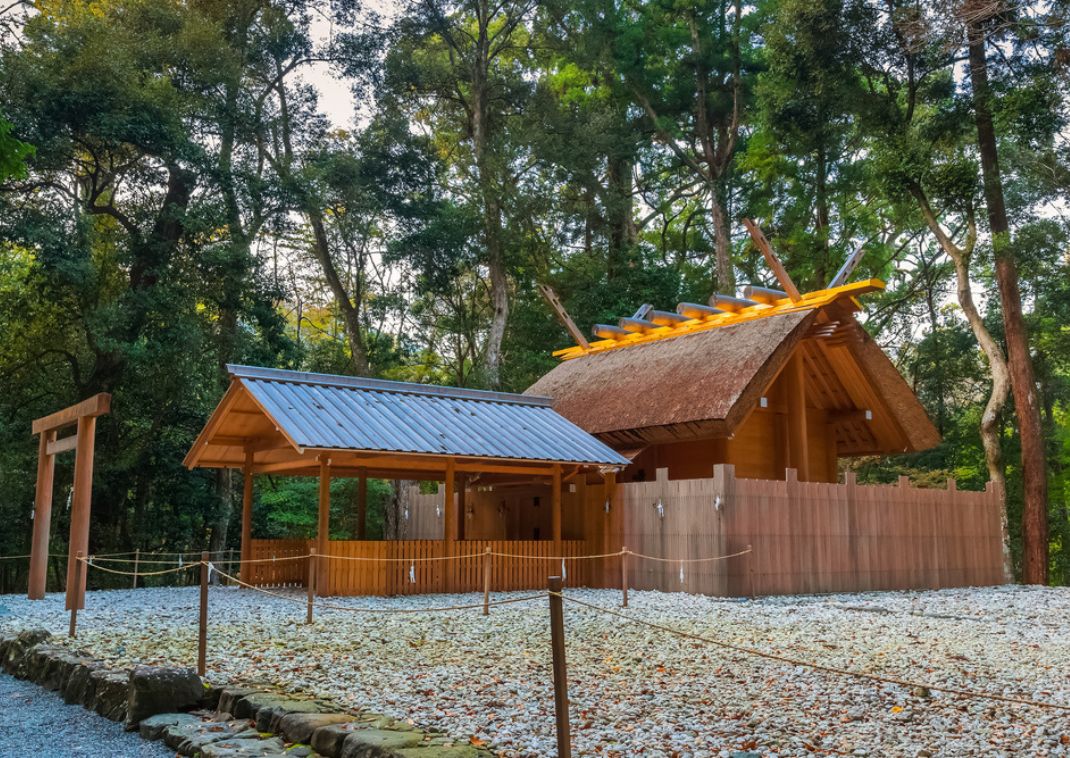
<point>36,722</point>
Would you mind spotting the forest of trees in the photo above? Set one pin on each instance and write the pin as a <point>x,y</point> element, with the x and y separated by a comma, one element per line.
<point>174,197</point>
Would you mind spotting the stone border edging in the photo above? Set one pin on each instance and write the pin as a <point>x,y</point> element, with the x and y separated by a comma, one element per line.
<point>202,721</point>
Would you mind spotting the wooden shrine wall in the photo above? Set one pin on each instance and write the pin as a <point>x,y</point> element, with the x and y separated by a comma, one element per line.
<point>805,537</point>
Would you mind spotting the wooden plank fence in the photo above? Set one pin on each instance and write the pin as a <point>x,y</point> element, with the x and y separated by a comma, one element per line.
<point>806,537</point>
<point>273,572</point>
<point>411,567</point>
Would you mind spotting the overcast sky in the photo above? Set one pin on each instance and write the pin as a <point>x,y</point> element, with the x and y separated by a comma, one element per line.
<point>336,99</point>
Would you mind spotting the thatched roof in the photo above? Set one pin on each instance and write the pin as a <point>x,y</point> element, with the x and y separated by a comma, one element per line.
<point>698,384</point>
<point>902,403</point>
<point>705,383</point>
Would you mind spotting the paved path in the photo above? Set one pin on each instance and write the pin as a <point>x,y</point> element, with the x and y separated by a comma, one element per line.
<point>37,723</point>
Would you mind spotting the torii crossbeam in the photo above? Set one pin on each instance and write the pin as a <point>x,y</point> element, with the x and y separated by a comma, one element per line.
<point>84,416</point>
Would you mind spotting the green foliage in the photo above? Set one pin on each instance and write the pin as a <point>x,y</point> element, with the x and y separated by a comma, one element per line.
<point>13,153</point>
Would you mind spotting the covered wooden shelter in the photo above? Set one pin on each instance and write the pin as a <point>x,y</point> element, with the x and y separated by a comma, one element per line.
<point>293,423</point>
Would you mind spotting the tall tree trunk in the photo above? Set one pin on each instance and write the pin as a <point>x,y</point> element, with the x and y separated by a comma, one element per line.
<point>499,294</point>
<point>725,280</point>
<point>350,315</point>
<point>492,210</point>
<point>620,221</point>
<point>321,248</point>
<point>821,218</point>
<point>1023,384</point>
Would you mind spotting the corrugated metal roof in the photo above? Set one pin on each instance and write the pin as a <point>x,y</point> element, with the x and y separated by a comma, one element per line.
<point>350,413</point>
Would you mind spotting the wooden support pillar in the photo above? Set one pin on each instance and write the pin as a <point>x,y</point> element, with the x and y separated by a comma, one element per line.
<point>449,505</point>
<point>462,507</point>
<point>81,500</point>
<point>362,503</point>
<point>323,527</point>
<point>247,516</point>
<point>798,443</point>
<point>449,525</point>
<point>42,517</point>
<point>555,509</point>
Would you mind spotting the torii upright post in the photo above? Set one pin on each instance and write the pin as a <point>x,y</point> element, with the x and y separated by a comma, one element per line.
<point>84,416</point>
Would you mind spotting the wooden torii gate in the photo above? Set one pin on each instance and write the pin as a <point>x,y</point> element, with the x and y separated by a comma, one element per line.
<point>84,416</point>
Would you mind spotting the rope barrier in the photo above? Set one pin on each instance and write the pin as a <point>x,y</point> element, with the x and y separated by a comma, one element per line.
<point>91,562</point>
<point>401,560</point>
<point>113,557</point>
<point>816,666</point>
<point>559,557</point>
<point>143,560</point>
<point>353,609</point>
<point>689,560</point>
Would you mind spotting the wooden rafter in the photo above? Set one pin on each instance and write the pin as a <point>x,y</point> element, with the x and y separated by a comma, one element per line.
<point>773,261</point>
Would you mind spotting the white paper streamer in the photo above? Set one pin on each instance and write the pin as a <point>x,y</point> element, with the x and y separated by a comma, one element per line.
<point>682,580</point>
<point>412,573</point>
<point>564,571</point>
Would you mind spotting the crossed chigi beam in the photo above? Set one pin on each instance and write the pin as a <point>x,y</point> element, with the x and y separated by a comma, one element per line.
<point>647,320</point>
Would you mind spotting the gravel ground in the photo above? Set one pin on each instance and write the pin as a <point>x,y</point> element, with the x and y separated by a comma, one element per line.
<point>36,722</point>
<point>636,690</point>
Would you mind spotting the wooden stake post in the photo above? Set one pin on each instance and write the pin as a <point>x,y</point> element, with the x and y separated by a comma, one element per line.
<point>486,583</point>
<point>310,583</point>
<point>72,630</point>
<point>557,642</point>
<point>202,635</point>
<point>83,415</point>
<point>624,577</point>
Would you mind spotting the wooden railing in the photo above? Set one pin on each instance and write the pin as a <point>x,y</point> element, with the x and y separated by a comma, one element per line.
<point>412,567</point>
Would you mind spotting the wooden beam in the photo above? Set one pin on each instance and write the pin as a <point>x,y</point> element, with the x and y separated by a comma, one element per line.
<point>94,406</point>
<point>848,267</point>
<point>58,446</point>
<point>462,514</point>
<point>773,262</point>
<point>247,514</point>
<point>697,311</point>
<point>449,505</point>
<point>323,526</point>
<point>42,517</point>
<point>304,465</point>
<point>562,315</point>
<point>798,442</point>
<point>81,501</point>
<point>362,503</point>
<point>193,457</point>
<point>850,417</point>
<point>555,506</point>
<point>431,462</point>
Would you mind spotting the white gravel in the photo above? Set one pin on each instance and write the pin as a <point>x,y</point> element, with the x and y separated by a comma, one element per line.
<point>635,690</point>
